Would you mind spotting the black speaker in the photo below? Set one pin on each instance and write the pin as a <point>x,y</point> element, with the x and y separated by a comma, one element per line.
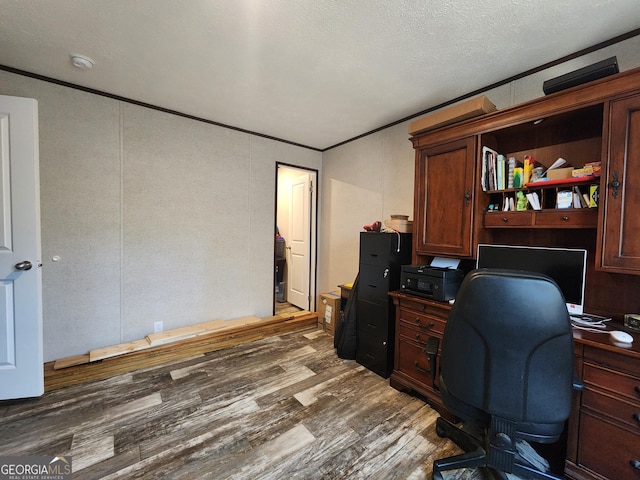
<point>583,75</point>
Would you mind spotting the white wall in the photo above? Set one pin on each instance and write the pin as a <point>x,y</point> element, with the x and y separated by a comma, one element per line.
<point>154,217</point>
<point>372,178</point>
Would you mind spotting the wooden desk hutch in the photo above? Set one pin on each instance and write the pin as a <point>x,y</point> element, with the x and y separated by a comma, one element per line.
<point>595,122</point>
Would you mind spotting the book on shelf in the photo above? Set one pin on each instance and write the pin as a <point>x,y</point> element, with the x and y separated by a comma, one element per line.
<point>580,200</point>
<point>501,164</point>
<point>564,199</point>
<point>489,169</point>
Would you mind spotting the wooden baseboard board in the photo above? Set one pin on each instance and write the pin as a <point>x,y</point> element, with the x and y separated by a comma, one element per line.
<point>271,326</point>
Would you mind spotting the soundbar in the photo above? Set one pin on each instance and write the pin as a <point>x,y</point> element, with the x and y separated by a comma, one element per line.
<point>598,70</point>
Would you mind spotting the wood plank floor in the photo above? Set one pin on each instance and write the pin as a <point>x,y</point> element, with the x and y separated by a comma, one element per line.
<point>277,408</point>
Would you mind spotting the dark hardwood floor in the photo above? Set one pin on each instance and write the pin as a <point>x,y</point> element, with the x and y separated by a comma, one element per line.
<point>278,408</point>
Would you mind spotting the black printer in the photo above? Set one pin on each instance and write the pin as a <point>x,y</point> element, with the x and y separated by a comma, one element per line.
<point>437,283</point>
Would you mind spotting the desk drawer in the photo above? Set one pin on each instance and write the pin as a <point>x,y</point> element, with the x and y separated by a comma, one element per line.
<point>570,217</point>
<point>413,361</point>
<point>437,309</point>
<point>606,449</point>
<point>616,361</point>
<point>508,219</point>
<point>423,323</point>
<point>622,384</point>
<point>415,334</point>
<point>613,406</point>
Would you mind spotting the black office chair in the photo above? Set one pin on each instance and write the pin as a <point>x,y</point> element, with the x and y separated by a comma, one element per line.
<point>506,372</point>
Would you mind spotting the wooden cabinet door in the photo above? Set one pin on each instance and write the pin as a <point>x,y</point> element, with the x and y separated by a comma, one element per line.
<point>444,198</point>
<point>619,237</point>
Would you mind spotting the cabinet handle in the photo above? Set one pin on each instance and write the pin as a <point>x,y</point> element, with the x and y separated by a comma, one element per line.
<point>565,218</point>
<point>426,327</point>
<point>637,389</point>
<point>421,370</point>
<point>635,464</point>
<point>467,196</point>
<point>505,219</point>
<point>615,184</point>
<point>636,417</point>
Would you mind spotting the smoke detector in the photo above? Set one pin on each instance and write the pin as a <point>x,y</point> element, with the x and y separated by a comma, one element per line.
<point>81,61</point>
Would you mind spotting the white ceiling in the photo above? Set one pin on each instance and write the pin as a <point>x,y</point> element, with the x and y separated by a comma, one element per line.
<point>314,72</point>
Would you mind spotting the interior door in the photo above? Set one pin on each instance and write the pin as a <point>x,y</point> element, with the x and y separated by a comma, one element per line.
<point>299,261</point>
<point>21,357</point>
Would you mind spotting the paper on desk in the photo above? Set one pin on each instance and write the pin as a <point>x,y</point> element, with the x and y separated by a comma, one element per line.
<point>445,262</point>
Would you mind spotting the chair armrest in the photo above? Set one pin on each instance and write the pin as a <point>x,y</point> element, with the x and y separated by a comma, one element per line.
<point>577,383</point>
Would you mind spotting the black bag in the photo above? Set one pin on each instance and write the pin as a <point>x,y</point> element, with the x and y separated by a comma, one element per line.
<point>344,340</point>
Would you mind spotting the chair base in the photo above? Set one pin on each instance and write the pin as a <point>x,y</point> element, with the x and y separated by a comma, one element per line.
<point>496,455</point>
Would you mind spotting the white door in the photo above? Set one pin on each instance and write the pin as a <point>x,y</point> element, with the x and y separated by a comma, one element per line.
<point>21,358</point>
<point>299,261</point>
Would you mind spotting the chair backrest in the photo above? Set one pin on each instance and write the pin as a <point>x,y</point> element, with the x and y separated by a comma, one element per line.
<point>508,347</point>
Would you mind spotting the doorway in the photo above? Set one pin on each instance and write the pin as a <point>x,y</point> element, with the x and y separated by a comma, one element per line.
<point>295,245</point>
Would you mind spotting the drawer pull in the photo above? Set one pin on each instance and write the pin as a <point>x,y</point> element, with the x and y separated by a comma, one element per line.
<point>636,417</point>
<point>636,464</point>
<point>426,327</point>
<point>638,389</point>
<point>421,370</point>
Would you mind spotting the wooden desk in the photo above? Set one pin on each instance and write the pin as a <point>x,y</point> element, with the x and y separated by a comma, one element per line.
<point>604,428</point>
<point>603,434</point>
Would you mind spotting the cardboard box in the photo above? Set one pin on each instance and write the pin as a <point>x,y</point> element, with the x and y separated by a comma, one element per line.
<point>559,173</point>
<point>402,226</point>
<point>462,111</point>
<point>328,311</point>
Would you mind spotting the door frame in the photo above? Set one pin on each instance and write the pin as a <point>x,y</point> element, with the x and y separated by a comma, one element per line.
<point>313,230</point>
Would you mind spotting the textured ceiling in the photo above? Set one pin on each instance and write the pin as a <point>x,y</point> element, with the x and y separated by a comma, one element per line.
<point>311,72</point>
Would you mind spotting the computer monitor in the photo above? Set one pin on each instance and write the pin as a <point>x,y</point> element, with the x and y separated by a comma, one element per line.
<point>566,266</point>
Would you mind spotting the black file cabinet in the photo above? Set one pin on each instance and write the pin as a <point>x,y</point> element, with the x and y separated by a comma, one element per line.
<point>381,255</point>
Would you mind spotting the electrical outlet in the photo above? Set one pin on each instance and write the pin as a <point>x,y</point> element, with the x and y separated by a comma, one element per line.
<point>157,327</point>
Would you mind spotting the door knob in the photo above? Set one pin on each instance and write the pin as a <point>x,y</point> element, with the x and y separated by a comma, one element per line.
<point>26,265</point>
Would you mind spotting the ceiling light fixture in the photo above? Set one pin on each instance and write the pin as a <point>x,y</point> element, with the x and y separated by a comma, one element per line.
<point>81,61</point>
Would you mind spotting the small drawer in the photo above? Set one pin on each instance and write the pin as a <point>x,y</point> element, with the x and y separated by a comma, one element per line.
<point>417,335</point>
<point>570,217</point>
<point>421,322</point>
<point>613,406</point>
<point>616,361</point>
<point>625,385</point>
<point>438,309</point>
<point>508,219</point>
